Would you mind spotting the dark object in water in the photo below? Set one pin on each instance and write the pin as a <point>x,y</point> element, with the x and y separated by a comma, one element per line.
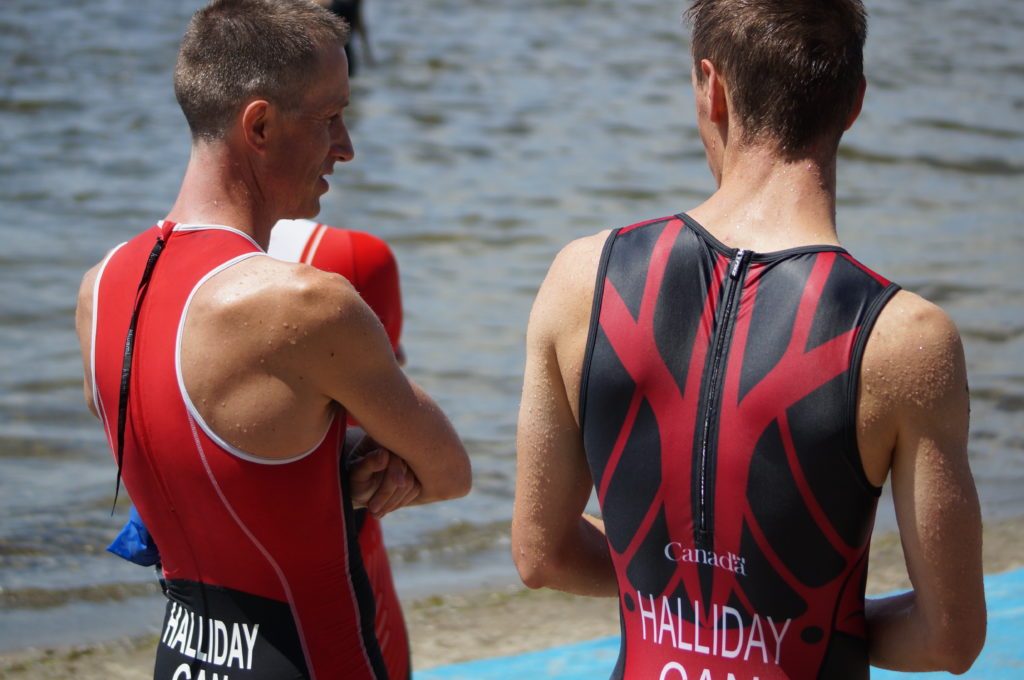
<point>352,12</point>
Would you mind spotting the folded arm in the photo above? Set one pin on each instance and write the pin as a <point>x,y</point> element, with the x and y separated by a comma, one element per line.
<point>379,481</point>
<point>350,360</point>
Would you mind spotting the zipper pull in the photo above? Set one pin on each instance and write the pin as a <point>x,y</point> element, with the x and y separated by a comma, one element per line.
<point>738,262</point>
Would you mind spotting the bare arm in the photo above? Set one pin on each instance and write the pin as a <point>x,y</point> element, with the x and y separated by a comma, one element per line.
<point>83,327</point>
<point>553,543</point>
<point>350,360</point>
<point>917,372</point>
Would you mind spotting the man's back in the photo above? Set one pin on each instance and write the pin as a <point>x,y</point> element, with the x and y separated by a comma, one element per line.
<point>223,376</point>
<point>239,552</point>
<point>234,424</point>
<point>776,83</point>
<point>718,412</point>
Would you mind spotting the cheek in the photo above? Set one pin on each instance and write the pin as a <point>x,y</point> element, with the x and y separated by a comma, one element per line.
<point>319,146</point>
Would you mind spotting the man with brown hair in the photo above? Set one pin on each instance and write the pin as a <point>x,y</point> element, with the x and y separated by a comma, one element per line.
<point>223,377</point>
<point>736,387</point>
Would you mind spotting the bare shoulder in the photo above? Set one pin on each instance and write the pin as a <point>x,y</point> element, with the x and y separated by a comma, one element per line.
<point>266,289</point>
<point>568,288</point>
<point>560,320</point>
<point>277,316</point>
<point>914,354</point>
<point>913,382</point>
<point>579,259</point>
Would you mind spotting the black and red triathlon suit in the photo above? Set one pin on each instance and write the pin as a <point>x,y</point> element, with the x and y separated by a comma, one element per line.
<point>718,408</point>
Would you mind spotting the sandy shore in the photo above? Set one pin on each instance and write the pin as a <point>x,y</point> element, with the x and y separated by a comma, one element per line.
<point>452,628</point>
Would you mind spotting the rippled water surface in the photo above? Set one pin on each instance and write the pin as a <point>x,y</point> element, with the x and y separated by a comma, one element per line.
<point>487,135</point>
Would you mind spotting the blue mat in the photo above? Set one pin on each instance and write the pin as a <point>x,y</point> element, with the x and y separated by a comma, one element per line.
<point>1002,658</point>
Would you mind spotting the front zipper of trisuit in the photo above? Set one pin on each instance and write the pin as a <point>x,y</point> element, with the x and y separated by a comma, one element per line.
<point>723,334</point>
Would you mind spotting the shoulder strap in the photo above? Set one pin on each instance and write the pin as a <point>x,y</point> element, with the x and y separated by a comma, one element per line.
<point>129,350</point>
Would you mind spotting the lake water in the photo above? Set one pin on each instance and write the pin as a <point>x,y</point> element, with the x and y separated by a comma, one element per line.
<point>487,135</point>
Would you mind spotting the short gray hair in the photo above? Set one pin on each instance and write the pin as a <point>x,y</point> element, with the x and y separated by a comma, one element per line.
<point>235,50</point>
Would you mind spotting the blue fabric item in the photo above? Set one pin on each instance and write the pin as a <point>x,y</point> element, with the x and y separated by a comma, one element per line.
<point>134,542</point>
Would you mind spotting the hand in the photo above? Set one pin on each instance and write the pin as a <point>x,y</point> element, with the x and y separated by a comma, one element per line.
<point>382,482</point>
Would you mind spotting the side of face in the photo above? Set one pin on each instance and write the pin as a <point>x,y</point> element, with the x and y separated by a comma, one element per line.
<point>304,144</point>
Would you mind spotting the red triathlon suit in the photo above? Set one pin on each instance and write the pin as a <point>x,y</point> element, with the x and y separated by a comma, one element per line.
<point>257,590</point>
<point>718,408</point>
<point>370,266</point>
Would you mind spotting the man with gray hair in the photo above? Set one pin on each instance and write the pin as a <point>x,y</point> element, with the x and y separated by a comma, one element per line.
<point>224,377</point>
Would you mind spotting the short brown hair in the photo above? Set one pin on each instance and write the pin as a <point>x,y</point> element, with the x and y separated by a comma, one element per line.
<point>234,50</point>
<point>793,67</point>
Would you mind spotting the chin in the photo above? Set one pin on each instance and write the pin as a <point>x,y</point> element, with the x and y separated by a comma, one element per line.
<point>311,208</point>
<point>304,213</point>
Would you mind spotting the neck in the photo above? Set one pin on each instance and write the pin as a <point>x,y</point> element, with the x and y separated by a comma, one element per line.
<point>765,203</point>
<point>220,189</point>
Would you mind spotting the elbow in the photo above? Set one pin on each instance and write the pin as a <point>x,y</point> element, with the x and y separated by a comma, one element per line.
<point>537,567</point>
<point>956,660</point>
<point>457,488</point>
<point>531,577</point>
<point>956,650</point>
<point>528,559</point>
<point>961,656</point>
<point>532,571</point>
<point>462,479</point>
<point>455,483</point>
<point>533,580</point>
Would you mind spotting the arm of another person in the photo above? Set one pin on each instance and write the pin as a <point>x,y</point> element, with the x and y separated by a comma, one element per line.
<point>914,367</point>
<point>349,359</point>
<point>553,543</point>
<point>83,328</point>
<point>376,278</point>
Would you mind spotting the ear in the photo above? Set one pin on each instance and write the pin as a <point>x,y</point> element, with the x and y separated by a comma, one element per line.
<point>716,100</point>
<point>858,102</point>
<point>254,121</point>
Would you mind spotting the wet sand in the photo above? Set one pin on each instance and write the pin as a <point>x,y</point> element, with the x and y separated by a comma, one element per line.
<point>452,628</point>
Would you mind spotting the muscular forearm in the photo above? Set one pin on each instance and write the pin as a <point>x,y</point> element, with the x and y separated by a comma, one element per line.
<point>423,438</point>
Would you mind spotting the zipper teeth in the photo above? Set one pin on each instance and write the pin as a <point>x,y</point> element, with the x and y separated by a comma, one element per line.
<point>735,269</point>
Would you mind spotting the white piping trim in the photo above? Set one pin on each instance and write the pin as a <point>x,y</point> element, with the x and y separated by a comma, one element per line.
<point>97,401</point>
<point>282,579</point>
<point>353,597</point>
<point>320,231</point>
<point>191,407</point>
<point>221,227</point>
